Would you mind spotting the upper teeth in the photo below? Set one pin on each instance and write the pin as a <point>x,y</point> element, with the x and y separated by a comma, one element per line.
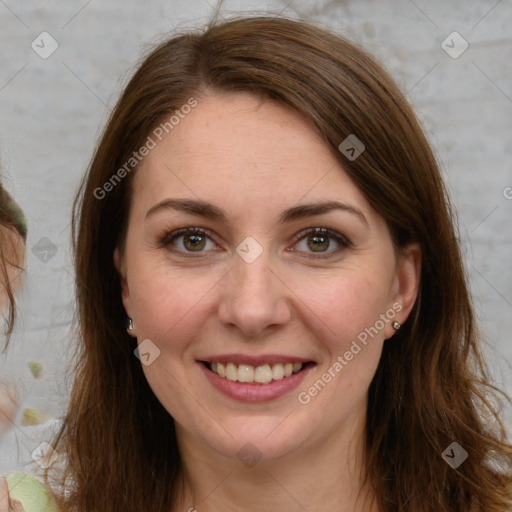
<point>261,374</point>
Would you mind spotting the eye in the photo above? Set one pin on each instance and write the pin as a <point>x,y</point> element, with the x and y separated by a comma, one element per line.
<point>192,240</point>
<point>318,240</point>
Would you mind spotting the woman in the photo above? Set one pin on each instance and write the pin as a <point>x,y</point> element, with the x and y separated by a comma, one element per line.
<point>273,308</point>
<point>13,232</point>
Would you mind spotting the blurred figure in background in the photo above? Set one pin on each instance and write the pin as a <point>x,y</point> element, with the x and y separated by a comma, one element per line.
<point>13,233</point>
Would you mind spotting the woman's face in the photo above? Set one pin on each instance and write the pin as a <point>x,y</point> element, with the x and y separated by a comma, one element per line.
<point>255,290</point>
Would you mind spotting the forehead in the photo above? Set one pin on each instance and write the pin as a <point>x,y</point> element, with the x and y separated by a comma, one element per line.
<point>236,146</point>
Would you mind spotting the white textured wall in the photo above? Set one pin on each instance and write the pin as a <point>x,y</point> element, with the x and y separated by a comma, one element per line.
<point>51,111</point>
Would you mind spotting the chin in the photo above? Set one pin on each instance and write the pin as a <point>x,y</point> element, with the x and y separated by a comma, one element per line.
<point>254,440</point>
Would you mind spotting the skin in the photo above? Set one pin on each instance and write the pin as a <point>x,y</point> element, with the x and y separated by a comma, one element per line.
<point>6,504</point>
<point>255,159</point>
<point>8,406</point>
<point>4,496</point>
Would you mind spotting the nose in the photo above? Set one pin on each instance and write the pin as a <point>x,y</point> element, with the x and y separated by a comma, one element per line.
<point>254,299</point>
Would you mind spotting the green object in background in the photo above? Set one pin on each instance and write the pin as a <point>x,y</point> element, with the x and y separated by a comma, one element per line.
<point>31,417</point>
<point>36,369</point>
<point>30,493</point>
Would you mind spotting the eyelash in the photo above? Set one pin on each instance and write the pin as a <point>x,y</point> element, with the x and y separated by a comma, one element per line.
<point>342,240</point>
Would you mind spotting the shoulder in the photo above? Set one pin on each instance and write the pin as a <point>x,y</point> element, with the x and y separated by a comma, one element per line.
<point>28,491</point>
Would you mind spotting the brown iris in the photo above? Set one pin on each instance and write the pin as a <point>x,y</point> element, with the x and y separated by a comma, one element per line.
<point>196,241</point>
<point>318,242</point>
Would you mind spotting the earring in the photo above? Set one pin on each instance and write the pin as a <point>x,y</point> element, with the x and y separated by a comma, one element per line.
<point>129,324</point>
<point>396,326</point>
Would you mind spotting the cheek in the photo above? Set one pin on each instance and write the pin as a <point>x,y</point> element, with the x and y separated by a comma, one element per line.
<point>351,335</point>
<point>167,305</point>
<point>346,307</point>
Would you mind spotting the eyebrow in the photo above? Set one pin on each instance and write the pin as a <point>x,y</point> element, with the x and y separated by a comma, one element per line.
<point>210,211</point>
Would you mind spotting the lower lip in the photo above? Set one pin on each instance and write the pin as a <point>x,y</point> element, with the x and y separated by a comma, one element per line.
<point>255,392</point>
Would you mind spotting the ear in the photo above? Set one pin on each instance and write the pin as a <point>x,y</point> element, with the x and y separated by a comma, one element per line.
<point>120,265</point>
<point>406,283</point>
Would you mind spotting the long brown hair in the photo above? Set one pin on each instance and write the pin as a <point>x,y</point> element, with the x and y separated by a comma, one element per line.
<point>431,387</point>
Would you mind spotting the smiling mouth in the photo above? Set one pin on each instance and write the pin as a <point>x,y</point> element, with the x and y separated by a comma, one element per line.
<point>263,374</point>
